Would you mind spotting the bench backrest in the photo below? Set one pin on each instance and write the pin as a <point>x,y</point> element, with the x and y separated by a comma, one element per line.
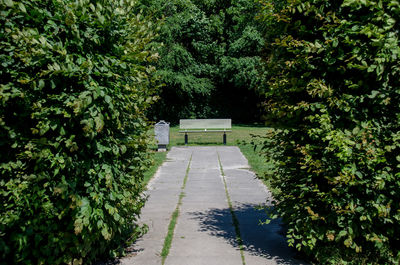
<point>205,124</point>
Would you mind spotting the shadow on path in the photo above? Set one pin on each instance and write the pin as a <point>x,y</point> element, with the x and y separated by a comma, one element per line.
<point>263,240</point>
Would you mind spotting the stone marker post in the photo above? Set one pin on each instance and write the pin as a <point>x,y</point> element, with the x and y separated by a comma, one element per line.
<point>161,130</point>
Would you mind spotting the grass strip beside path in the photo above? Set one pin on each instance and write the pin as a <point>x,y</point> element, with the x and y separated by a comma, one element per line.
<point>174,218</point>
<point>158,159</point>
<point>258,164</point>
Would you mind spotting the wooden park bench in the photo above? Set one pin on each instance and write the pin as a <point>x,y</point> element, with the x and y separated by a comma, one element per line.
<point>205,126</point>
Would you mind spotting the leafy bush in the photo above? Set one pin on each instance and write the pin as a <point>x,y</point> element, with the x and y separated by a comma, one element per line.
<point>334,93</point>
<point>75,85</point>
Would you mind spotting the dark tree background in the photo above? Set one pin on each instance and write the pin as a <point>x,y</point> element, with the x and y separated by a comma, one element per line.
<point>208,61</point>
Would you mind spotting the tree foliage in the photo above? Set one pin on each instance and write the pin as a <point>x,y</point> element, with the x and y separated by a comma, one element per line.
<point>74,88</point>
<point>208,60</point>
<point>333,73</point>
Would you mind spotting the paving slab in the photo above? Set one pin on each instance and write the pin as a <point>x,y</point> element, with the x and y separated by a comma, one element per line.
<point>163,194</point>
<point>262,243</point>
<point>193,242</point>
<point>205,233</point>
<point>204,158</point>
<point>231,157</point>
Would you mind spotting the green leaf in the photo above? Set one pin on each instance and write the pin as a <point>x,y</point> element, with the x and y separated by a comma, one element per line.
<point>342,233</point>
<point>123,149</point>
<point>105,233</point>
<point>9,3</point>
<point>374,93</point>
<point>101,19</point>
<point>41,83</point>
<point>22,7</point>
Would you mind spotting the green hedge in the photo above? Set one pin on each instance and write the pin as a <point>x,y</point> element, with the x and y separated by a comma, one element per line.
<point>334,93</point>
<point>74,87</point>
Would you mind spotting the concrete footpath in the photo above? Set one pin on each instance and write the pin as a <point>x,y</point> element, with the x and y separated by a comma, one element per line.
<point>217,223</point>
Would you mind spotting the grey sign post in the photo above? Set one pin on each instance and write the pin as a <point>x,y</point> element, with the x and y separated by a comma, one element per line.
<point>161,130</point>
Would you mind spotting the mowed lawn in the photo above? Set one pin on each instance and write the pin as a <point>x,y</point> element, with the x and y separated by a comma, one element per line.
<point>238,134</point>
<point>241,135</point>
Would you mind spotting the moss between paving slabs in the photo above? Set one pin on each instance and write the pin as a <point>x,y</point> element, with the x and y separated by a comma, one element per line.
<point>174,218</point>
<point>235,221</point>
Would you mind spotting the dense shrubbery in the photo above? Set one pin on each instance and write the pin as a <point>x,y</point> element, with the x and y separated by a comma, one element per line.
<point>73,92</point>
<point>334,87</point>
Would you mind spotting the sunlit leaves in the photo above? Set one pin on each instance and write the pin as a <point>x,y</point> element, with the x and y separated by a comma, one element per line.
<point>75,84</point>
<point>332,74</point>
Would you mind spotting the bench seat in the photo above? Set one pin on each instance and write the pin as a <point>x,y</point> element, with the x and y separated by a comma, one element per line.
<point>205,126</point>
<point>203,130</point>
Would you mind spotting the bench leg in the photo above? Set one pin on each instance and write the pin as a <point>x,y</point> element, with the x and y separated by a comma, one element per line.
<point>186,138</point>
<point>224,138</point>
